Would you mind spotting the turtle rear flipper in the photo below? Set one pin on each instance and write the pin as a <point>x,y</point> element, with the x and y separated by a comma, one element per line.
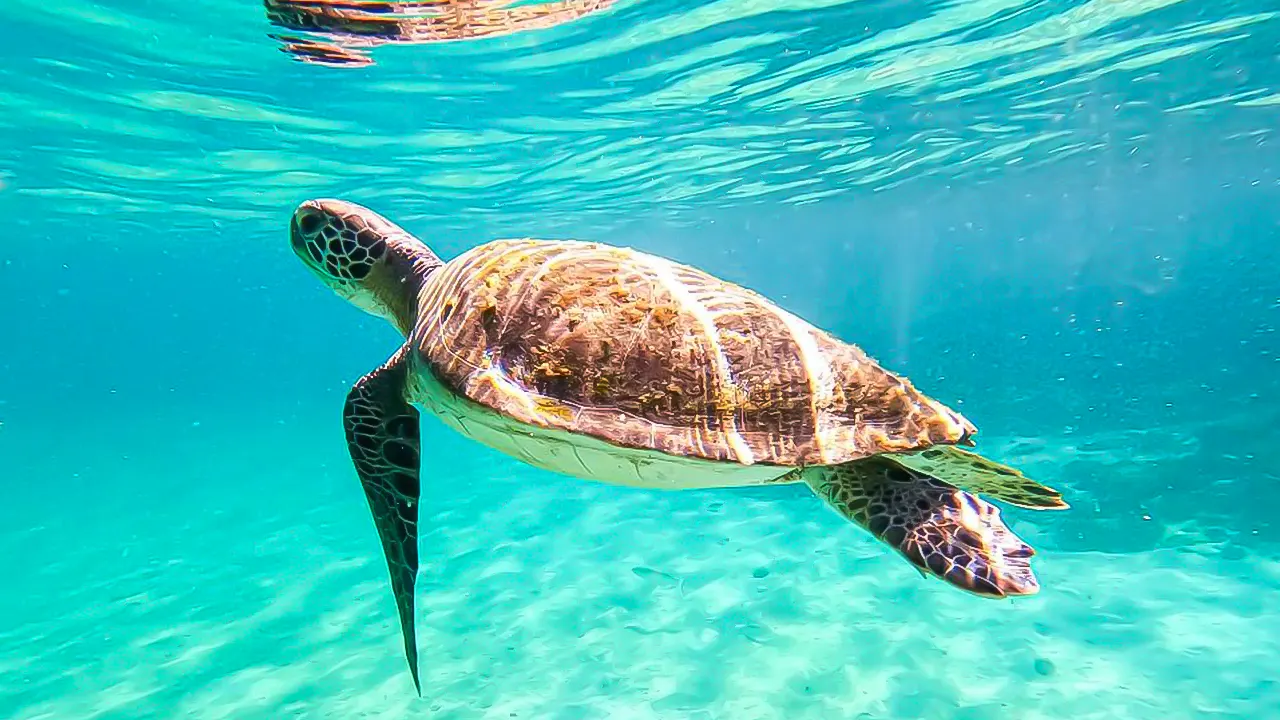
<point>383,437</point>
<point>942,530</point>
<point>972,472</point>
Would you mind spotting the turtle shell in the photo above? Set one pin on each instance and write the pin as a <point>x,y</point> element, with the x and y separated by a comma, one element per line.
<point>643,352</point>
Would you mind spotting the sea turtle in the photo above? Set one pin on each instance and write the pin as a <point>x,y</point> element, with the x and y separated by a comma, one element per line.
<point>343,29</point>
<point>615,365</point>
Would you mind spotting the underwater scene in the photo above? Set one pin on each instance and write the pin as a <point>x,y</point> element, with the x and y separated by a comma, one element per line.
<point>285,433</point>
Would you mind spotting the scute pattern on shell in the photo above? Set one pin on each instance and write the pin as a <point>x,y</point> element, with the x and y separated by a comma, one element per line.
<point>644,352</point>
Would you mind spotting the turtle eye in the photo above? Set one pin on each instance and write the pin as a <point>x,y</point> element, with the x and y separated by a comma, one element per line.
<point>310,223</point>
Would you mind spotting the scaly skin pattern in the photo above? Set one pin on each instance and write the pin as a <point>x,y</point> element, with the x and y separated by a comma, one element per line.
<point>647,353</point>
<point>983,476</point>
<point>383,436</point>
<point>364,258</point>
<point>943,531</point>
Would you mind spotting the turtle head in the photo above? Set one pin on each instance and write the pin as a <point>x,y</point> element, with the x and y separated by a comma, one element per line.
<point>363,257</point>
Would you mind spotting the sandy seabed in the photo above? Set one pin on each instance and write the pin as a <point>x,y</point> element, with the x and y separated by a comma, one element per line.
<point>223,592</point>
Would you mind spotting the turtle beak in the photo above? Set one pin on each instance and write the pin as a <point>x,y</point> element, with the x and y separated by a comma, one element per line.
<point>295,237</point>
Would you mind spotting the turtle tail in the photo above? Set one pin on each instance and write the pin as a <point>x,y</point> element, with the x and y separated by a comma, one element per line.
<point>942,530</point>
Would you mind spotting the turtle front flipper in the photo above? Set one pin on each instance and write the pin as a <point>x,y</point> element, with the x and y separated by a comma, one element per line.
<point>942,530</point>
<point>383,438</point>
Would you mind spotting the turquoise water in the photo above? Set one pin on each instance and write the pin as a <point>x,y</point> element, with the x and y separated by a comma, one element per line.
<point>1058,217</point>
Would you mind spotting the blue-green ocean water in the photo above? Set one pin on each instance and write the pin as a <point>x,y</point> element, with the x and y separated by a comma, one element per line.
<point>1060,217</point>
